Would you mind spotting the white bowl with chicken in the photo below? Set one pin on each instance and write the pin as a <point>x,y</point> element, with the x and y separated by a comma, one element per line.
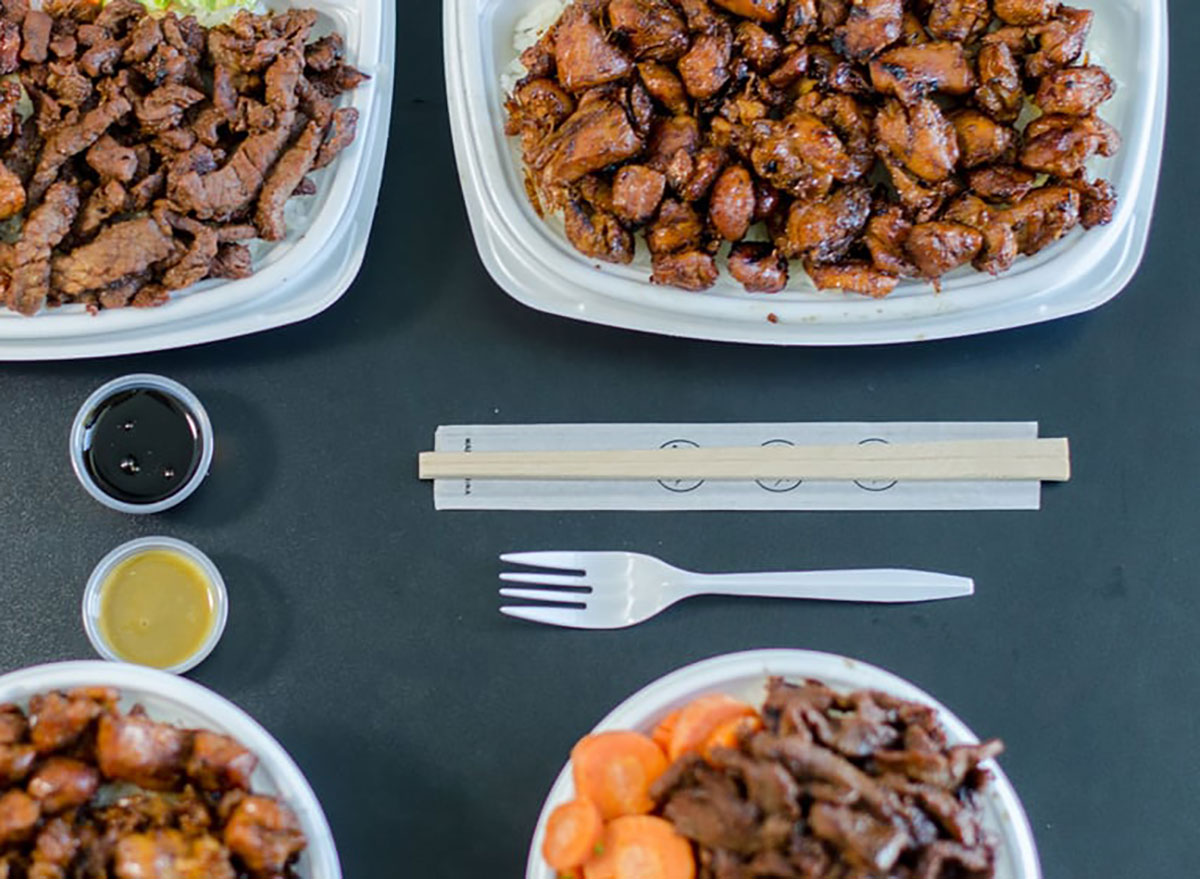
<point>128,750</point>
<point>744,676</point>
<point>533,260</point>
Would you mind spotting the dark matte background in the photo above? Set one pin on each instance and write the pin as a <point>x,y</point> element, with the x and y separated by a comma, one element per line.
<point>363,630</point>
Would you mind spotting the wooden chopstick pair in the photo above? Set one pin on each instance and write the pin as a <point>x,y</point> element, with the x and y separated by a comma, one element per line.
<point>1047,460</point>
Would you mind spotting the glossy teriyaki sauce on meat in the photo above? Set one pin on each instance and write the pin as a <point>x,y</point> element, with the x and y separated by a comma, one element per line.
<point>870,140</point>
<point>89,792</point>
<point>156,147</point>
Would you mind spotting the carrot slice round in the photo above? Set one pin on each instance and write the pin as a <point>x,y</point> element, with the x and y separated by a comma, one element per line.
<point>700,718</point>
<point>641,847</point>
<point>665,729</point>
<point>730,733</point>
<point>572,831</point>
<point>615,770</point>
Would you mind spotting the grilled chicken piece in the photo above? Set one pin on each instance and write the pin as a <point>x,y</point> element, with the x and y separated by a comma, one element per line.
<point>19,814</point>
<point>705,67</point>
<point>911,72</point>
<point>769,11</point>
<point>668,137</point>
<point>758,46</point>
<point>918,137</point>
<point>703,173</point>
<point>920,200</point>
<point>664,86</point>
<point>61,783</point>
<point>886,233</point>
<point>264,835</point>
<point>999,249</point>
<point>731,208</point>
<point>13,724</point>
<point>831,13</point>
<point>852,277</point>
<point>677,227</point>
<point>654,29</point>
<point>585,58</point>
<point>1060,40</point>
<point>913,30</point>
<point>939,247</point>
<point>758,267</point>
<point>167,853</point>
<point>834,72</point>
<point>851,121</point>
<point>59,719</point>
<point>1024,11</point>
<point>980,139</point>
<point>220,763</point>
<point>1043,216</point>
<point>538,105</point>
<point>1075,91</point>
<point>135,749</point>
<point>690,270</point>
<point>958,20</point>
<point>1004,183</point>
<point>15,763</point>
<point>596,234</point>
<point>871,26</point>
<point>823,230</point>
<point>1061,145</point>
<point>637,192</point>
<point>780,156</point>
<point>1098,201</point>
<point>596,135</point>
<point>1000,92</point>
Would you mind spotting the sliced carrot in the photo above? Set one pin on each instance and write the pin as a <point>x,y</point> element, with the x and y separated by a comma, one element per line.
<point>641,847</point>
<point>665,729</point>
<point>731,732</point>
<point>615,770</point>
<point>572,831</point>
<point>700,718</point>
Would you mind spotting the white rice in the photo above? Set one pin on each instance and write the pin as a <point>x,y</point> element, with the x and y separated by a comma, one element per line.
<point>529,30</point>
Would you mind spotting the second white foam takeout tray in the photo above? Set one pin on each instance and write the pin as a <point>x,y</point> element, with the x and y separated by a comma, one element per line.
<point>535,264</point>
<point>295,278</point>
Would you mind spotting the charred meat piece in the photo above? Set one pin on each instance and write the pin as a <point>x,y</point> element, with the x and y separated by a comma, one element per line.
<point>169,853</point>
<point>669,137</point>
<point>919,137</point>
<point>1004,183</point>
<point>912,72</point>
<point>937,248</point>
<point>704,69</point>
<point>768,11</point>
<point>1075,91</point>
<point>62,783</point>
<point>1043,216</point>
<point>869,843</point>
<point>1060,40</point>
<point>14,726</point>
<point>980,138</point>
<point>852,277</point>
<point>19,814</point>
<point>597,234</point>
<point>758,46</point>
<point>130,748</point>
<point>15,762</point>
<point>677,227</point>
<point>1061,145</point>
<point>12,193</point>
<point>264,836</point>
<point>920,200</point>
<point>57,720</point>
<point>887,231</point>
<point>1024,11</point>
<point>67,140</point>
<point>219,763</point>
<point>35,37</point>
<point>688,270</point>
<point>999,249</point>
<point>597,135</point>
<point>654,29</point>
<point>731,207</point>
<point>343,128</point>
<point>637,192</point>
<point>824,229</point>
<point>758,267</point>
<point>584,56</point>
<point>1098,201</point>
<point>871,26</point>
<point>282,182</point>
<point>958,20</point>
<point>664,86</point>
<point>1000,92</point>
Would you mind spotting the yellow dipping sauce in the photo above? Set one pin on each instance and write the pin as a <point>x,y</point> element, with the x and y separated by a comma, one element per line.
<point>157,608</point>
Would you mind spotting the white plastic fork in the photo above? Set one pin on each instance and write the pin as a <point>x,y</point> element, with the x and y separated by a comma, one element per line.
<point>627,588</point>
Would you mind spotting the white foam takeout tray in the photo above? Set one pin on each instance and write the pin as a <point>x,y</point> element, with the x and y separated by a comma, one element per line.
<point>744,676</point>
<point>176,700</point>
<point>535,264</point>
<point>295,278</point>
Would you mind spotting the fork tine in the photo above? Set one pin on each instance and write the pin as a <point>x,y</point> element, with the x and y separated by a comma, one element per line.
<point>546,595</point>
<point>573,618</point>
<point>542,579</point>
<point>571,561</point>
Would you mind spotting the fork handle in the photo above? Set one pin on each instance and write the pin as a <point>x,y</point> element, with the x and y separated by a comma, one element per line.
<point>887,586</point>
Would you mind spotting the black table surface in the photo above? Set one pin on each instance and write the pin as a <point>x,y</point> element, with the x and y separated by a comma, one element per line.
<point>364,630</point>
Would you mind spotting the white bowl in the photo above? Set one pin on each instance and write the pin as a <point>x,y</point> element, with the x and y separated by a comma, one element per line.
<point>176,700</point>
<point>535,264</point>
<point>92,595</point>
<point>744,676</point>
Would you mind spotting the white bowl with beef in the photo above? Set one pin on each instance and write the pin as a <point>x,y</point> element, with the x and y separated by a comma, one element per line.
<point>532,260</point>
<point>745,676</point>
<point>169,699</point>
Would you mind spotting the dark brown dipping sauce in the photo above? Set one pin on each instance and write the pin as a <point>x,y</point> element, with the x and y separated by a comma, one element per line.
<point>141,446</point>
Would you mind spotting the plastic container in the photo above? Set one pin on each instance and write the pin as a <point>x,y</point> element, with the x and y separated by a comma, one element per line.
<point>295,278</point>
<point>92,595</point>
<point>744,676</point>
<point>535,264</point>
<point>81,425</point>
<point>176,700</point>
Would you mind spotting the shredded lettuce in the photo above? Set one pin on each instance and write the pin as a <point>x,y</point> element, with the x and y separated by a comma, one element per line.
<point>208,12</point>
